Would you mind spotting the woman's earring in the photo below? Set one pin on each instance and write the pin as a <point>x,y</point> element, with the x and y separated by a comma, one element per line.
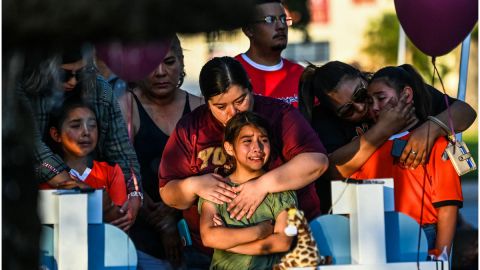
<point>181,79</point>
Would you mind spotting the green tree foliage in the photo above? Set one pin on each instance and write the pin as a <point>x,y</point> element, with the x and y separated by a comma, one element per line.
<point>382,37</point>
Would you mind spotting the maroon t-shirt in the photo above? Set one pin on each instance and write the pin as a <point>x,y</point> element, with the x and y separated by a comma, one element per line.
<point>195,148</point>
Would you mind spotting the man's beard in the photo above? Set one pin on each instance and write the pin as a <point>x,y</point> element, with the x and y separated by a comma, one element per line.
<point>279,47</point>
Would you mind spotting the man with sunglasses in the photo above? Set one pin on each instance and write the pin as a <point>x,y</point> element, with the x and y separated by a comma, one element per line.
<point>270,74</point>
<point>71,74</point>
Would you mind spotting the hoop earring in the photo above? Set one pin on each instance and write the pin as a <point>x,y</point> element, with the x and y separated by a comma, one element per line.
<point>181,79</point>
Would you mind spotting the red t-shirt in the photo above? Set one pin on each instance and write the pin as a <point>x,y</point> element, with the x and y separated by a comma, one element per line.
<point>195,148</point>
<point>442,183</point>
<point>109,177</point>
<point>280,81</point>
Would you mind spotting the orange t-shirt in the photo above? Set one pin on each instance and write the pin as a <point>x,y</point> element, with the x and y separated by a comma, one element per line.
<point>109,177</point>
<point>442,183</point>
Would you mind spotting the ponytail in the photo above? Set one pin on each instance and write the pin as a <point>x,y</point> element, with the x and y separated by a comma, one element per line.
<point>306,92</point>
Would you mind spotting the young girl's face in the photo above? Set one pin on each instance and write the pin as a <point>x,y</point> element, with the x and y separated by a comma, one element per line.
<point>251,148</point>
<point>382,95</point>
<point>78,133</point>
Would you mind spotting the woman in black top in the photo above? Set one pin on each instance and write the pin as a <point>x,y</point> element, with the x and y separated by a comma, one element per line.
<point>151,110</point>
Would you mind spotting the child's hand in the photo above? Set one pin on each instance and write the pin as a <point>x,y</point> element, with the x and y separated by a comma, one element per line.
<point>126,221</point>
<point>68,184</point>
<point>218,221</point>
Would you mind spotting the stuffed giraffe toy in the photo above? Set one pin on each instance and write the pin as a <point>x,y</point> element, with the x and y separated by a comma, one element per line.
<point>305,252</point>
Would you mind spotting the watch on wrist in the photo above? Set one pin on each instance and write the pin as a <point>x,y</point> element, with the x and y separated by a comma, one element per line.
<point>136,194</point>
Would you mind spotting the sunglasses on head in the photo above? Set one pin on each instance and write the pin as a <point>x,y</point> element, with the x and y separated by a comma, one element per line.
<point>65,74</point>
<point>360,95</point>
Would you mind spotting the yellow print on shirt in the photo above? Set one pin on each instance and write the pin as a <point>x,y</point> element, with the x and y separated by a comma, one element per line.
<point>217,155</point>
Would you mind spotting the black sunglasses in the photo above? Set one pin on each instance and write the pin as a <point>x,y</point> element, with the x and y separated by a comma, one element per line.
<point>65,74</point>
<point>360,95</point>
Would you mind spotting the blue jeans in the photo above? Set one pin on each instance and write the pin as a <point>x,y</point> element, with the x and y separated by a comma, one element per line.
<point>146,262</point>
<point>431,234</point>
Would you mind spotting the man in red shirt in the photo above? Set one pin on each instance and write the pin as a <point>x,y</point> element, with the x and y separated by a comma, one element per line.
<point>270,74</point>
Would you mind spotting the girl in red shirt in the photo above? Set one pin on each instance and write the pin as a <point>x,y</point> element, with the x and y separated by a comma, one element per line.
<point>73,131</point>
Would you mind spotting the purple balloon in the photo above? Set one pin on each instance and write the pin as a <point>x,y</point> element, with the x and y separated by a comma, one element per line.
<point>133,61</point>
<point>437,26</point>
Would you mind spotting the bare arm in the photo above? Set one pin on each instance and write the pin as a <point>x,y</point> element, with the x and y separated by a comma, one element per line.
<point>446,224</point>
<point>300,171</point>
<point>220,237</point>
<point>289,176</point>
<point>182,193</point>
<point>349,158</point>
<point>422,138</point>
<point>462,114</point>
<point>274,243</point>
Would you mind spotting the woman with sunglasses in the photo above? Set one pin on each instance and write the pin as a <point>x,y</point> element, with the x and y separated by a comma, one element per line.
<point>70,73</point>
<point>344,125</point>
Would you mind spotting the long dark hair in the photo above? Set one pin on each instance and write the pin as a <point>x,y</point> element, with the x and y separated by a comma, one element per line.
<point>406,75</point>
<point>233,128</point>
<point>41,75</point>
<point>218,74</point>
<point>320,81</point>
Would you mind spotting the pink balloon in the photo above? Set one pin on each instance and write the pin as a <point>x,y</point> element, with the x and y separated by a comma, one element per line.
<point>437,26</point>
<point>133,61</point>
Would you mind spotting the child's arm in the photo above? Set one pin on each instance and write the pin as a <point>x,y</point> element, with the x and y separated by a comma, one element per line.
<point>274,243</point>
<point>220,237</point>
<point>447,221</point>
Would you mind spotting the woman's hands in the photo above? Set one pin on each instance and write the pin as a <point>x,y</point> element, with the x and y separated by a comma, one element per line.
<point>212,187</point>
<point>396,117</point>
<point>419,145</point>
<point>111,212</point>
<point>126,220</point>
<point>64,180</point>
<point>249,197</point>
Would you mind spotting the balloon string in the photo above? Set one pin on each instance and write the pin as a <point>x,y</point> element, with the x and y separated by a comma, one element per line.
<point>450,121</point>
